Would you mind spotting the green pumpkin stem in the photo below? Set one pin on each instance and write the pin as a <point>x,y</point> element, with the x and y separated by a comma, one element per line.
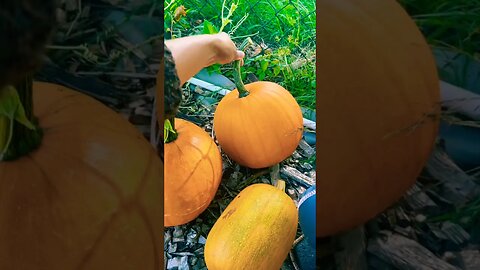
<point>169,132</point>
<point>20,133</point>
<point>237,74</point>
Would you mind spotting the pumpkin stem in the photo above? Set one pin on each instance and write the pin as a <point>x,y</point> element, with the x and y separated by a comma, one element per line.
<point>19,130</point>
<point>237,74</point>
<point>280,185</point>
<point>170,134</point>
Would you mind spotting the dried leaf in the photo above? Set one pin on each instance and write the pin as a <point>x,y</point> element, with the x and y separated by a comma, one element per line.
<point>179,13</point>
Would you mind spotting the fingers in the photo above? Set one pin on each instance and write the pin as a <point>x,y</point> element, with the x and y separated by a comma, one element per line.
<point>240,55</point>
<point>227,52</point>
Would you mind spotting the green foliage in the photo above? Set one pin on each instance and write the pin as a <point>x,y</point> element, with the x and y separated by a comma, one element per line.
<point>285,31</point>
<point>446,23</point>
<point>468,215</point>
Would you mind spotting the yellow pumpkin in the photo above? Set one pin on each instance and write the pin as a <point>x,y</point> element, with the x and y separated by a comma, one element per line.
<point>87,198</point>
<point>193,171</point>
<point>255,231</point>
<point>378,108</point>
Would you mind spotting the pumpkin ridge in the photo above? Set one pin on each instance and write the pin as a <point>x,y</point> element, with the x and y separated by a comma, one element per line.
<point>245,119</point>
<point>115,189</point>
<point>44,174</point>
<point>143,180</point>
<point>228,122</point>
<point>101,235</point>
<point>273,103</point>
<point>211,163</point>
<point>149,227</point>
<point>203,157</point>
<point>261,155</point>
<point>193,170</point>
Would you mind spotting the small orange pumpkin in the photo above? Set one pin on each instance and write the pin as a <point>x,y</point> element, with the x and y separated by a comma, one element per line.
<point>377,109</point>
<point>87,197</point>
<point>255,231</point>
<point>259,124</point>
<point>193,171</point>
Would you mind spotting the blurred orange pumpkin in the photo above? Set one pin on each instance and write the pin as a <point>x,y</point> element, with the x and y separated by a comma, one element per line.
<point>193,171</point>
<point>378,108</point>
<point>87,198</point>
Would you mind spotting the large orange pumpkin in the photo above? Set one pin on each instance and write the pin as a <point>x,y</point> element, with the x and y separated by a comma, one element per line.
<point>377,101</point>
<point>261,128</point>
<point>87,198</point>
<point>255,231</point>
<point>193,171</point>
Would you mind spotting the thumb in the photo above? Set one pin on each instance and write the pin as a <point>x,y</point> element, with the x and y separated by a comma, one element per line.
<point>240,55</point>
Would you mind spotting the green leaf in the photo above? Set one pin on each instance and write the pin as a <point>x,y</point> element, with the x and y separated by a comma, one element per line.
<point>12,108</point>
<point>264,65</point>
<point>276,70</point>
<point>261,76</point>
<point>209,28</point>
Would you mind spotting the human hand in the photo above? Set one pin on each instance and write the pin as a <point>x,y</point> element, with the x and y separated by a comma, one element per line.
<point>225,50</point>
<point>192,54</point>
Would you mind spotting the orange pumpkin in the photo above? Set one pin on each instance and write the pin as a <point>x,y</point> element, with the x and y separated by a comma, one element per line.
<point>87,198</point>
<point>259,124</point>
<point>193,171</point>
<point>255,231</point>
<point>377,109</point>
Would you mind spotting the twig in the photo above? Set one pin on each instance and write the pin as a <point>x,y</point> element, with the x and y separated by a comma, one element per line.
<point>169,4</point>
<point>152,9</point>
<point>474,171</point>
<point>76,17</point>
<point>229,192</point>
<point>298,240</point>
<point>242,37</point>
<point>294,263</point>
<point>432,115</point>
<point>249,180</point>
<point>296,175</point>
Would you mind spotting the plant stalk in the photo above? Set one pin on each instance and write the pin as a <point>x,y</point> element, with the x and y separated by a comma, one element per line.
<point>237,74</point>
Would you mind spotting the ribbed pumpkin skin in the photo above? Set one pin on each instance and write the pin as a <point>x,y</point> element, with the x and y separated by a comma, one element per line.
<point>377,77</point>
<point>193,171</point>
<point>255,231</point>
<point>88,198</point>
<point>261,129</point>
